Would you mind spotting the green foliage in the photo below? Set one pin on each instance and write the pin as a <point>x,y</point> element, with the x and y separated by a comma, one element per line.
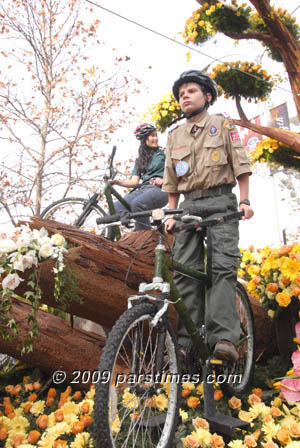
<point>234,79</point>
<point>272,151</point>
<point>229,20</point>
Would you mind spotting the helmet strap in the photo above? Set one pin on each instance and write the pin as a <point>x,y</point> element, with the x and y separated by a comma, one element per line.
<point>193,114</point>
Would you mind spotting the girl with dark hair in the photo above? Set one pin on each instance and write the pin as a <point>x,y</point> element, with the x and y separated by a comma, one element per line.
<point>146,177</point>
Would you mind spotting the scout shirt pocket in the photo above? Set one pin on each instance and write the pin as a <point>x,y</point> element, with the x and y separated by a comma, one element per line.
<point>215,156</point>
<point>182,161</point>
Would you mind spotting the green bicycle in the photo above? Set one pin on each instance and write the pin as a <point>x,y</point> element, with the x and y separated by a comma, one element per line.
<point>82,213</point>
<point>137,400</point>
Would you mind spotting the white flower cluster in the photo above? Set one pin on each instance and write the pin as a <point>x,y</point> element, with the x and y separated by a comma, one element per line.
<point>24,249</point>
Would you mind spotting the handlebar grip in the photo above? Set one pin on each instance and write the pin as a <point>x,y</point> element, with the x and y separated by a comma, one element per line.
<point>113,152</point>
<point>109,219</point>
<point>200,210</point>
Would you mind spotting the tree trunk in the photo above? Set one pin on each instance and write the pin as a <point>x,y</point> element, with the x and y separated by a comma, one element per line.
<point>289,138</point>
<point>49,353</point>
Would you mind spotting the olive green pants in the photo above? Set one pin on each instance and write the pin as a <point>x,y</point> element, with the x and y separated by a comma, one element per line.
<point>221,318</point>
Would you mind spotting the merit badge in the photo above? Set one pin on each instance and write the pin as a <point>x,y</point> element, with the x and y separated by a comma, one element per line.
<point>213,130</point>
<point>215,156</point>
<point>234,135</point>
<point>229,125</point>
<point>182,168</point>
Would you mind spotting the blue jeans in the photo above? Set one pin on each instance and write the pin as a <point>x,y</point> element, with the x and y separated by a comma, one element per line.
<point>147,197</point>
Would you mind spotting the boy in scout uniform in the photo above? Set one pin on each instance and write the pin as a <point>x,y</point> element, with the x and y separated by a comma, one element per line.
<point>204,159</point>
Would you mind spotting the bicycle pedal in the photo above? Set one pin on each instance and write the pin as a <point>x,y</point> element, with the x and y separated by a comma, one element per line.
<point>219,362</point>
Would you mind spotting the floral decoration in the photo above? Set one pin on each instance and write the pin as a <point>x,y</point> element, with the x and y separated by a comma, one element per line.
<point>211,18</point>
<point>234,79</point>
<point>166,110</point>
<point>20,251</point>
<point>272,151</point>
<point>257,24</point>
<point>272,275</point>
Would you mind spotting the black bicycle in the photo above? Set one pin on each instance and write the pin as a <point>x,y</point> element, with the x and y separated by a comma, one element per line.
<point>82,213</point>
<point>137,401</point>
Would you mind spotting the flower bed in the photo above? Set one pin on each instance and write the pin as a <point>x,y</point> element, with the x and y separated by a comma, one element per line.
<point>272,275</point>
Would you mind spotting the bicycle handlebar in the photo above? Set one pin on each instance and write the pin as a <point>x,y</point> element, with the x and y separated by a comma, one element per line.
<point>159,214</point>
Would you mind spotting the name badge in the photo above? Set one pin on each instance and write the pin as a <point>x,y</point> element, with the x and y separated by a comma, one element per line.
<point>182,168</point>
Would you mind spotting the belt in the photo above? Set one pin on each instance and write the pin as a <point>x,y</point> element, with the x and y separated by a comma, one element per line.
<point>210,192</point>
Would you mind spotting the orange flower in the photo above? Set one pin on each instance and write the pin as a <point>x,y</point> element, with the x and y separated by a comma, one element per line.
<point>283,299</point>
<point>77,427</point>
<point>28,387</point>
<point>217,441</point>
<point>296,291</point>
<point>32,397</point>
<point>27,408</point>
<point>17,439</point>
<point>85,407</point>
<point>49,401</point>
<point>86,420</point>
<point>218,394</point>
<point>283,435</point>
<point>3,433</point>
<point>272,287</point>
<point>51,392</point>
<point>234,403</point>
<point>190,442</point>
<point>33,436</point>
<point>42,421</point>
<point>284,250</point>
<point>9,389</point>
<point>285,280</point>
<point>250,441</point>
<point>59,443</point>
<point>36,385</point>
<point>59,415</point>
<point>257,391</point>
<point>185,393</point>
<point>8,409</point>
<point>253,399</point>
<point>275,412</point>
<point>192,402</point>
<point>17,389</point>
<point>77,395</point>
<point>6,400</point>
<point>295,430</point>
<point>200,423</point>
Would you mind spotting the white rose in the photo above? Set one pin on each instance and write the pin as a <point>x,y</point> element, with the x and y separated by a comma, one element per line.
<point>7,246</point>
<point>11,281</point>
<point>44,240</point>
<point>18,264</point>
<point>46,251</point>
<point>23,241</point>
<point>57,239</point>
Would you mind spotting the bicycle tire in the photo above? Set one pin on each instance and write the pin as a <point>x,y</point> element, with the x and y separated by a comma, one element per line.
<point>238,379</point>
<point>67,210</point>
<point>148,425</point>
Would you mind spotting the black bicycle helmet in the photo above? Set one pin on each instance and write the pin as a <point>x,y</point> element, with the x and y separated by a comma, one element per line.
<point>143,130</point>
<point>204,81</point>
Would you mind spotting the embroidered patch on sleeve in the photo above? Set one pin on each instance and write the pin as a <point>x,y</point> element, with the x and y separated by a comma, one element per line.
<point>234,135</point>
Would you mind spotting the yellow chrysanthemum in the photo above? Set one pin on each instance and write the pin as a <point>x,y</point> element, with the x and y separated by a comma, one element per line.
<point>130,401</point>
<point>17,424</point>
<point>290,268</point>
<point>161,402</point>
<point>37,408</point>
<point>81,440</point>
<point>203,436</point>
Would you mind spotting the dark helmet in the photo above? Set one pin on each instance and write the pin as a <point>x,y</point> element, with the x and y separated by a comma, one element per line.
<point>143,130</point>
<point>206,83</point>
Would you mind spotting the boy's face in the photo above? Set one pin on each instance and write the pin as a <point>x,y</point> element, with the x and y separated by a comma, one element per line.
<point>191,97</point>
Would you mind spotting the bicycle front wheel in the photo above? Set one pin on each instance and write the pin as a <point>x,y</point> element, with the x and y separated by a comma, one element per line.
<point>138,406</point>
<point>68,211</point>
<point>238,379</point>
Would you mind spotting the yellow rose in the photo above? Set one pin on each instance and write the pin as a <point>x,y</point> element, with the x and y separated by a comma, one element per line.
<point>234,403</point>
<point>283,299</point>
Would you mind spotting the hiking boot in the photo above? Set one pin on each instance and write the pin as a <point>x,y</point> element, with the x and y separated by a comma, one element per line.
<point>226,351</point>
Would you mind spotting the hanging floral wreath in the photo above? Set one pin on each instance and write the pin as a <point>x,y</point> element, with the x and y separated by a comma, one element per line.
<point>257,24</point>
<point>166,110</point>
<point>209,19</point>
<point>234,79</point>
<point>272,151</point>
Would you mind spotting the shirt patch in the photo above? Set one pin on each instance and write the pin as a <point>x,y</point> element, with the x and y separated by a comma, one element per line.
<point>215,156</point>
<point>213,130</point>
<point>234,135</point>
<point>180,147</point>
<point>194,129</point>
<point>214,169</point>
<point>182,168</point>
<point>229,125</point>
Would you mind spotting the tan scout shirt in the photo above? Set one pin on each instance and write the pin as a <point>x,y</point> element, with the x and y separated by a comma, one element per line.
<point>211,156</point>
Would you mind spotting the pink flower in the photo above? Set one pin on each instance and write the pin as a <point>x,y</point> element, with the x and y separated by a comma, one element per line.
<point>290,388</point>
<point>296,362</point>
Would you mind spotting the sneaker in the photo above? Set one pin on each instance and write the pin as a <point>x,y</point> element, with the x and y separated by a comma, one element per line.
<point>226,351</point>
